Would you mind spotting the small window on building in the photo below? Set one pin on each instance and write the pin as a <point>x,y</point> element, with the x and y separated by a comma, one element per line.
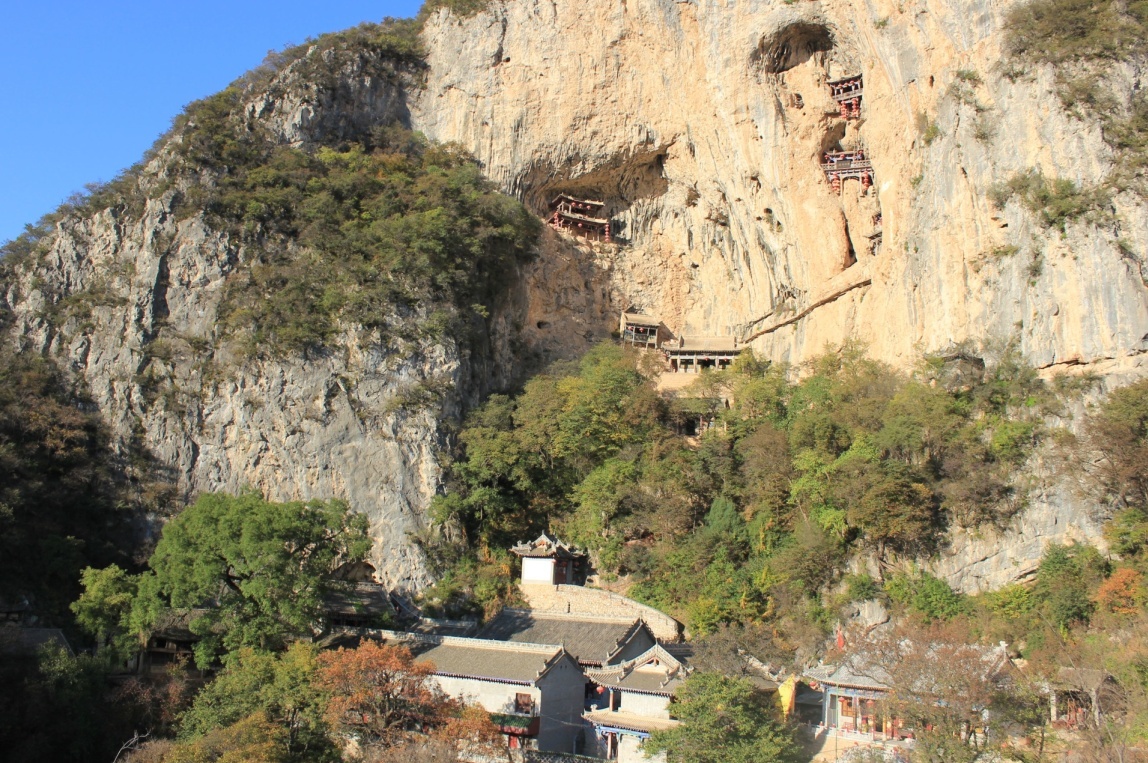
<point>523,703</point>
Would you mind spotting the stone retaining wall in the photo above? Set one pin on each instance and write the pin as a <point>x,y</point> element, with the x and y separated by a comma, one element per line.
<point>579,600</point>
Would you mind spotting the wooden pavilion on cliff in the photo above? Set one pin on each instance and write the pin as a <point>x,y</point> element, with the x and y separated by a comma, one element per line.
<point>580,216</point>
<point>847,92</point>
<point>842,165</point>
<point>640,330</point>
<point>691,354</point>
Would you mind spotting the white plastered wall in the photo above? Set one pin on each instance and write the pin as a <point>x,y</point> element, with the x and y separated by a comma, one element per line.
<point>537,570</point>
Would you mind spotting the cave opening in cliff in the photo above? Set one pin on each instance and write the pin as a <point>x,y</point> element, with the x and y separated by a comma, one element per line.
<point>792,46</point>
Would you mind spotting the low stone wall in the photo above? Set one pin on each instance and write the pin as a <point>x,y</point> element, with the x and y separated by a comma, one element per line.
<point>579,600</point>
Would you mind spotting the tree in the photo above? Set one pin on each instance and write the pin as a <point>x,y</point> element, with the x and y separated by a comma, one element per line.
<point>62,505</point>
<point>1118,432</point>
<point>1122,593</point>
<point>724,720</point>
<point>281,687</point>
<point>929,596</point>
<point>1063,583</point>
<point>884,501</point>
<point>956,695</point>
<point>379,695</point>
<point>257,569</point>
<point>472,735</point>
<point>1107,669</point>
<point>254,739</point>
<point>105,605</point>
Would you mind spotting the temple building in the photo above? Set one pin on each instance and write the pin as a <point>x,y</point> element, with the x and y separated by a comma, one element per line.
<point>854,700</point>
<point>847,92</point>
<point>581,216</point>
<point>549,561</point>
<point>691,354</point>
<point>639,330</point>
<point>535,693</point>
<point>562,607</point>
<point>842,165</point>
<point>630,699</point>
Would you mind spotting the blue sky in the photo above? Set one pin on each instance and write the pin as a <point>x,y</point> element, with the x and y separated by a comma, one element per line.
<point>87,86</point>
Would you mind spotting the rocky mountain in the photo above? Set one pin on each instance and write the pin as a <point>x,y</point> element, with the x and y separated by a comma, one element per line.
<point>703,126</point>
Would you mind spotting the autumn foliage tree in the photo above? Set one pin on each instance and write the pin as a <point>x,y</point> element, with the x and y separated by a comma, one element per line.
<point>957,695</point>
<point>1122,593</point>
<point>379,694</point>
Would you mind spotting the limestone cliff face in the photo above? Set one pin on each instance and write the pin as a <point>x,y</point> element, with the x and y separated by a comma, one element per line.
<point>334,425</point>
<point>701,124</point>
<point>128,303</point>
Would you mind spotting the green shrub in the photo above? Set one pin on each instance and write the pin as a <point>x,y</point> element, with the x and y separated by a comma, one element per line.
<point>754,518</point>
<point>861,587</point>
<point>1081,39</point>
<point>1062,31</point>
<point>1057,201</point>
<point>928,129</point>
<point>351,237</point>
<point>928,596</point>
<point>459,8</point>
<point>1064,582</point>
<point>1004,251</point>
<point>1012,602</point>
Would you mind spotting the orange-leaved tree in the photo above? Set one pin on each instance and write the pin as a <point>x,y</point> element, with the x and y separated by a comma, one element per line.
<point>474,735</point>
<point>379,695</point>
<point>1122,593</point>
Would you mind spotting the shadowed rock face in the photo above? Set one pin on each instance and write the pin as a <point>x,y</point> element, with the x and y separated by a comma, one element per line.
<point>702,126</point>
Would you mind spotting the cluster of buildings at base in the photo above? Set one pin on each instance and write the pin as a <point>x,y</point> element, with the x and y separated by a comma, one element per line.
<point>583,671</point>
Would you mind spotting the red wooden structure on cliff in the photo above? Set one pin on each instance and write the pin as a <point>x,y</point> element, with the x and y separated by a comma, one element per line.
<point>847,93</point>
<point>581,216</point>
<point>842,165</point>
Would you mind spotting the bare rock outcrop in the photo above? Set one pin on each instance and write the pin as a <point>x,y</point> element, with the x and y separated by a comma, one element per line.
<point>702,126</point>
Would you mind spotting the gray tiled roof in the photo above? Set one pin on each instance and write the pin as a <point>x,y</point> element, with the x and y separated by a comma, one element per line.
<point>592,640</point>
<point>476,658</point>
<point>27,641</point>
<point>545,547</point>
<point>857,674</point>
<point>693,344</point>
<point>630,721</point>
<point>845,675</point>
<point>641,674</point>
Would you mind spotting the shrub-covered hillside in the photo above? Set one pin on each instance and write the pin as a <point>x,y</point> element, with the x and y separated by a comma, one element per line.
<point>358,232</point>
<point>758,513</point>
